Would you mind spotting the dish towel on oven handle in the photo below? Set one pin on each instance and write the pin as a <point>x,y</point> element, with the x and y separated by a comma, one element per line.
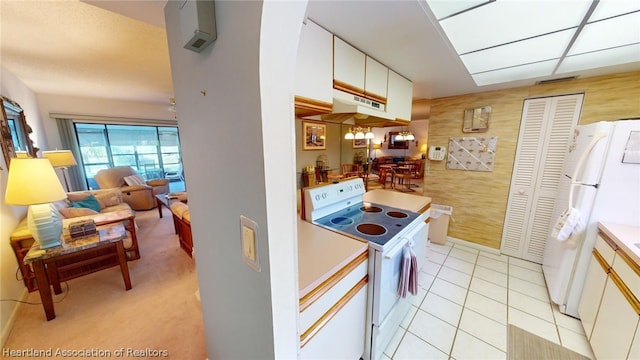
<point>408,272</point>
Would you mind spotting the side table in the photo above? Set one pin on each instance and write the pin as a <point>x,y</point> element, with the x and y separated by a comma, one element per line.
<point>48,272</point>
<point>22,241</point>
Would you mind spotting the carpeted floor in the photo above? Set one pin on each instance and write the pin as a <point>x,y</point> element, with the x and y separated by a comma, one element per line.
<point>523,345</point>
<point>160,313</point>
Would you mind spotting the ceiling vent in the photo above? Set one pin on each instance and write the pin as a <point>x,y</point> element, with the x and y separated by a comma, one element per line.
<point>557,80</point>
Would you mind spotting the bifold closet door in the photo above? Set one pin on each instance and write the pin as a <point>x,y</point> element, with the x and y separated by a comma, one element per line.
<point>545,130</point>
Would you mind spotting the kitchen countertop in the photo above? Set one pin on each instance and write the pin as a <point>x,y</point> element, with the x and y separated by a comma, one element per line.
<point>625,236</point>
<point>321,253</point>
<point>398,200</point>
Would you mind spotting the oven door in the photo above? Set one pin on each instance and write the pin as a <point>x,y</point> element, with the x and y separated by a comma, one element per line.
<point>387,274</point>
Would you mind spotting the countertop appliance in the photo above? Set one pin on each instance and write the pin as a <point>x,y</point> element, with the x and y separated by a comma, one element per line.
<point>601,180</point>
<point>340,207</point>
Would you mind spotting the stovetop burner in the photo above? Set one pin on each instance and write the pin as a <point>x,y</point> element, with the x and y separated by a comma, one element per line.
<point>371,208</point>
<point>370,222</point>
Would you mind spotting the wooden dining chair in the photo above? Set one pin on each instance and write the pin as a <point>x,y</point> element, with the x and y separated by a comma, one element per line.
<point>404,173</point>
<point>351,170</point>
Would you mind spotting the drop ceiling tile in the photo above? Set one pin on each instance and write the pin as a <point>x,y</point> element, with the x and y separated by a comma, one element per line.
<point>522,52</point>
<point>609,57</point>
<point>444,8</point>
<point>487,25</point>
<point>609,8</point>
<point>618,31</point>
<point>528,71</point>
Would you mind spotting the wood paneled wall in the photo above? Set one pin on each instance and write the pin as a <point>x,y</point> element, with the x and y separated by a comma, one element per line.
<point>479,199</point>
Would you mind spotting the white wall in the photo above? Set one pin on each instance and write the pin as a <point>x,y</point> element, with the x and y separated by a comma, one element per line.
<point>10,288</point>
<point>241,141</point>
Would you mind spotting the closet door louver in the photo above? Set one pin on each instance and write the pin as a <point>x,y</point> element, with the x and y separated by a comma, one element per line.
<point>545,131</point>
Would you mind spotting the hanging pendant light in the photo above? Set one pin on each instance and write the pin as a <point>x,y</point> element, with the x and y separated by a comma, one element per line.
<point>359,133</point>
<point>405,135</point>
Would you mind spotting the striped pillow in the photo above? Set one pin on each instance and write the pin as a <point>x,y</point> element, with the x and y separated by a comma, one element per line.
<point>134,180</point>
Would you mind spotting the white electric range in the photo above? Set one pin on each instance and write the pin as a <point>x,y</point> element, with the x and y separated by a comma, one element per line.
<point>340,207</point>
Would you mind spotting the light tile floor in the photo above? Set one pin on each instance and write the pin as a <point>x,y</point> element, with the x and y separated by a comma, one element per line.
<point>467,298</point>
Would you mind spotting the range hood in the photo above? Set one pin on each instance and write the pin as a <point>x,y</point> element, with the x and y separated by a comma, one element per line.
<point>357,110</point>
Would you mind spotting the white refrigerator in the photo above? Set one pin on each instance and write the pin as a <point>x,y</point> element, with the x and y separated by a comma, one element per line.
<point>601,182</point>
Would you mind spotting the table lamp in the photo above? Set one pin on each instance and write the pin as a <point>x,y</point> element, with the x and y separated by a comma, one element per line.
<point>61,159</point>
<point>34,183</point>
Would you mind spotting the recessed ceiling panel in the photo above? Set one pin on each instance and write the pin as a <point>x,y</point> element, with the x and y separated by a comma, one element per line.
<point>609,8</point>
<point>617,31</point>
<point>518,53</point>
<point>502,22</point>
<point>596,59</point>
<point>444,8</point>
<point>528,71</point>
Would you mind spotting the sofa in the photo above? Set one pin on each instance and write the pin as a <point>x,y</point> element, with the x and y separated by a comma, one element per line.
<point>76,207</point>
<point>136,191</point>
<point>182,224</point>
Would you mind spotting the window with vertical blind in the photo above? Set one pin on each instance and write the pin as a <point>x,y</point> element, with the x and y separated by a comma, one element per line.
<point>151,150</point>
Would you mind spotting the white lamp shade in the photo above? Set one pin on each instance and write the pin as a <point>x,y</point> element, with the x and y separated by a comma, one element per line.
<point>409,137</point>
<point>32,181</point>
<point>60,158</point>
<point>348,136</point>
<point>359,135</point>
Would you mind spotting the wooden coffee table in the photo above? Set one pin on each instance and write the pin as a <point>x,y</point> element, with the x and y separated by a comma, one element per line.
<point>163,200</point>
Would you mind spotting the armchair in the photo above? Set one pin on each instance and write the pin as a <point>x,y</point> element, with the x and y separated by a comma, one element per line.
<point>136,192</point>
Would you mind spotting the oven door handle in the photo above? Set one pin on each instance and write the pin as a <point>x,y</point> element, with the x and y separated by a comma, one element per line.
<point>392,253</point>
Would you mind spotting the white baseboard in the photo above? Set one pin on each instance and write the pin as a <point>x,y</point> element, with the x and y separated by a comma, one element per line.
<point>12,318</point>
<point>473,245</point>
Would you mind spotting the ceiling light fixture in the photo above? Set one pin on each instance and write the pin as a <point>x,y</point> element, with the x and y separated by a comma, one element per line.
<point>359,133</point>
<point>405,135</point>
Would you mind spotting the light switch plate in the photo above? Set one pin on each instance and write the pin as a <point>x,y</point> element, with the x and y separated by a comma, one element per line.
<point>249,242</point>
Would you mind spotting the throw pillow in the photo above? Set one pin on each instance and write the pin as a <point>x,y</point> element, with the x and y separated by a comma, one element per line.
<point>134,180</point>
<point>109,198</point>
<point>75,212</point>
<point>90,202</point>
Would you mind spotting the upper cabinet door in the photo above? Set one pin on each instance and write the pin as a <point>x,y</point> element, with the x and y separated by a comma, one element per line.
<point>348,67</point>
<point>375,85</point>
<point>314,71</point>
<point>399,96</point>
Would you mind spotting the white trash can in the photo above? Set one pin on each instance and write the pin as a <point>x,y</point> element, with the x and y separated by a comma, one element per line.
<point>439,224</point>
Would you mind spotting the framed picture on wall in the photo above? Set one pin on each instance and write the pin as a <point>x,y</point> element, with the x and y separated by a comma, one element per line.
<point>359,143</point>
<point>314,136</point>
<point>397,144</point>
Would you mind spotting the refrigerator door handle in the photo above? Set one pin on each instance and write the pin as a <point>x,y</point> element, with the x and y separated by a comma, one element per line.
<point>583,158</point>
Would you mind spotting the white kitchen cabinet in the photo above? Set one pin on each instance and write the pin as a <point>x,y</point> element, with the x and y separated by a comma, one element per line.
<point>349,66</point>
<point>375,84</point>
<point>333,315</point>
<point>609,307</point>
<point>615,325</point>
<point>592,293</point>
<point>634,353</point>
<point>314,71</point>
<point>399,97</point>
